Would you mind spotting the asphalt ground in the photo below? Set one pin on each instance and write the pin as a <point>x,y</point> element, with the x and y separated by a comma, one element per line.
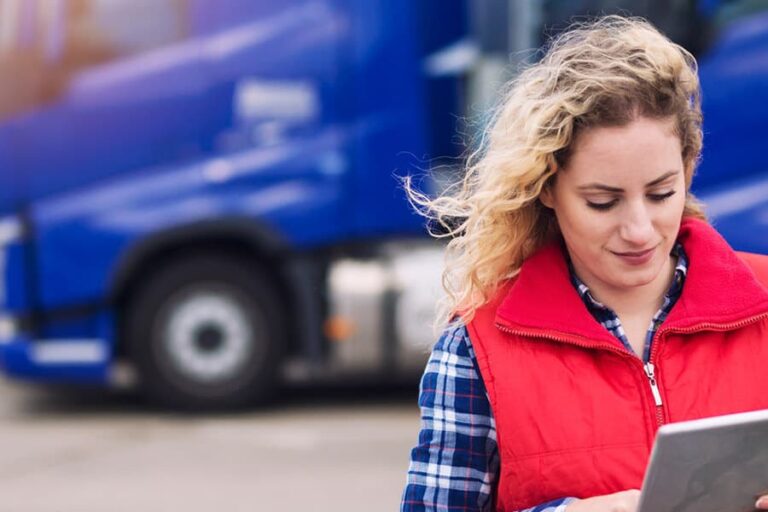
<point>331,448</point>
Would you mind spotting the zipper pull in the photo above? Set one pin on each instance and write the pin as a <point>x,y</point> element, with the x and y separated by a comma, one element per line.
<point>654,388</point>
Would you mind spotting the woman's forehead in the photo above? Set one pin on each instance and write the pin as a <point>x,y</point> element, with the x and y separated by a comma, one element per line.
<point>639,152</point>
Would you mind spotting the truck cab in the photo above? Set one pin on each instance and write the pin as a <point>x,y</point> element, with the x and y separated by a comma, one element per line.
<point>183,181</point>
<point>201,195</point>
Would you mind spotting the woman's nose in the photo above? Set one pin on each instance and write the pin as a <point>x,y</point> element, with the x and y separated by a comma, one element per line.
<point>637,226</point>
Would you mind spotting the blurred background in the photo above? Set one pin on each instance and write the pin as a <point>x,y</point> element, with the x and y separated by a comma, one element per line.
<point>213,292</point>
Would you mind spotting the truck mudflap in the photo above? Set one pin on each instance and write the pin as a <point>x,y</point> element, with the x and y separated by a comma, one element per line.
<point>76,361</point>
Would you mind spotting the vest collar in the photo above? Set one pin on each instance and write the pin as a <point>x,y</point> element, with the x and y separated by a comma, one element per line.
<point>719,291</point>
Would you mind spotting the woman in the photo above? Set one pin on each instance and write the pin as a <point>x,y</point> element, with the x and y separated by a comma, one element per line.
<point>591,302</point>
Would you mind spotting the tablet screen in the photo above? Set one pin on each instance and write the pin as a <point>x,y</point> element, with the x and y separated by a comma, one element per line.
<point>717,464</point>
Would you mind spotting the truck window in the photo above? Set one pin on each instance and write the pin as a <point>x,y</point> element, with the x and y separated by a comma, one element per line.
<point>98,31</point>
<point>43,43</point>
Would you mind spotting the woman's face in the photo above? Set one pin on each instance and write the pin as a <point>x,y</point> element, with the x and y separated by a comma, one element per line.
<point>619,203</point>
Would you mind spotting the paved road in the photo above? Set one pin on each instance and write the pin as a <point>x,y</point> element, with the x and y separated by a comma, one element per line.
<point>318,450</point>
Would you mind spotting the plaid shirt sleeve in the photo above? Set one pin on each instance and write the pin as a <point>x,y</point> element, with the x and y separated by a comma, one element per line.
<point>455,465</point>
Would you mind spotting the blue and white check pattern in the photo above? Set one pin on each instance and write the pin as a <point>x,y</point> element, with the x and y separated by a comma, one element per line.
<point>455,465</point>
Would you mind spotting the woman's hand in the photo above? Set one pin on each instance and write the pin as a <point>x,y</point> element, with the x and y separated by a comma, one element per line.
<point>624,501</point>
<point>762,502</point>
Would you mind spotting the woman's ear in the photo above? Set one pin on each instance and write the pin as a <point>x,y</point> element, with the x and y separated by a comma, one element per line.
<point>546,196</point>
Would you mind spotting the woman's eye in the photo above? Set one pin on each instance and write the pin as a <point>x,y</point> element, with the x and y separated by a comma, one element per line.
<point>602,206</point>
<point>661,197</point>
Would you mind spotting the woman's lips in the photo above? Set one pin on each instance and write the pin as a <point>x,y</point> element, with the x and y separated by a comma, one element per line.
<point>636,257</point>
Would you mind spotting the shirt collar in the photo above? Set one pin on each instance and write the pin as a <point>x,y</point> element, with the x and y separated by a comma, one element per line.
<point>674,291</point>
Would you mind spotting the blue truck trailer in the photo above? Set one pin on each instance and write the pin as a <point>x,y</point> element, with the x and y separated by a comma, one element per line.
<point>201,193</point>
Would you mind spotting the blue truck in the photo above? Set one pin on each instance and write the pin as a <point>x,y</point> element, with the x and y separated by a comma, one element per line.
<point>200,196</point>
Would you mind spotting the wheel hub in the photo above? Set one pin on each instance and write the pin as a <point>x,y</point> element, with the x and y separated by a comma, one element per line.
<point>208,336</point>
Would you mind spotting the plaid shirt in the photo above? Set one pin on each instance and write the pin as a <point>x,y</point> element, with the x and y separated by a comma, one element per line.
<point>608,318</point>
<point>455,464</point>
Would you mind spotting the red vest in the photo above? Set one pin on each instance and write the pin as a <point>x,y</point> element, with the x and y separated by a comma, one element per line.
<point>575,413</point>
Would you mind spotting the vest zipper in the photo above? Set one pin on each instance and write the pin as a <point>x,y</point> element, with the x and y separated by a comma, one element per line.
<point>652,379</point>
<point>649,368</point>
<point>650,372</point>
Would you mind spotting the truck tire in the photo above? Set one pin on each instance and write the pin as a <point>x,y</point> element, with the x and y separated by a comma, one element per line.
<point>207,332</point>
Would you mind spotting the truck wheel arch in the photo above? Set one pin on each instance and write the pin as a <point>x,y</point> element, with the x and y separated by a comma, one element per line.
<point>242,236</point>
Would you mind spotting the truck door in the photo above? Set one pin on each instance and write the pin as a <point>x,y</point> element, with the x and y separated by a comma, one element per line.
<point>121,98</point>
<point>270,114</point>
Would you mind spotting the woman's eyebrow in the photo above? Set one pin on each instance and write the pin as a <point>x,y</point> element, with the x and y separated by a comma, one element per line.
<point>661,178</point>
<point>600,186</point>
<point>607,188</point>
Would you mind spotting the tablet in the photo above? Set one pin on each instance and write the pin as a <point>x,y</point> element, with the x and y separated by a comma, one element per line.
<point>717,464</point>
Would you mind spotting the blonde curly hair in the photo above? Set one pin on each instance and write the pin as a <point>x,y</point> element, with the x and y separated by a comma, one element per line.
<point>606,72</point>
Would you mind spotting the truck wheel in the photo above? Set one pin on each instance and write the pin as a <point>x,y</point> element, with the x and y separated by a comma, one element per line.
<point>207,332</point>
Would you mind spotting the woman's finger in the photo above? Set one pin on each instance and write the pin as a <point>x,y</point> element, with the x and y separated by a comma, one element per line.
<point>762,502</point>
